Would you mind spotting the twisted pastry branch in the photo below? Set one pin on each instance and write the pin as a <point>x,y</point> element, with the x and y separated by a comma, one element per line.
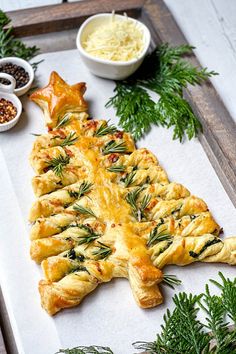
<point>106,209</point>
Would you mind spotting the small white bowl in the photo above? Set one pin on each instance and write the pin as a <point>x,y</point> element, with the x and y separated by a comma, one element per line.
<point>24,64</point>
<point>17,103</point>
<point>115,70</point>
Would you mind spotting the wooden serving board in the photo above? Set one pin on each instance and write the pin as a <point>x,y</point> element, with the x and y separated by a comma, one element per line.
<point>42,26</point>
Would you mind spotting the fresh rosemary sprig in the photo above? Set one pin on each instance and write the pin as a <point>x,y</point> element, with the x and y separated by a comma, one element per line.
<point>105,129</point>
<point>228,293</point>
<point>171,280</point>
<point>87,350</point>
<point>183,333</point>
<point>165,73</point>
<point>89,235</point>
<point>35,134</point>
<point>114,147</point>
<point>69,140</point>
<point>116,169</point>
<point>156,237</point>
<point>83,210</point>
<point>10,46</point>
<point>58,163</point>
<point>138,208</point>
<point>63,121</point>
<point>102,252</point>
<point>80,268</point>
<point>129,179</point>
<point>84,188</point>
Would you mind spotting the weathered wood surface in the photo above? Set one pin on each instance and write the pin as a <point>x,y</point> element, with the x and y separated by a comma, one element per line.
<point>65,16</point>
<point>210,25</point>
<point>7,346</point>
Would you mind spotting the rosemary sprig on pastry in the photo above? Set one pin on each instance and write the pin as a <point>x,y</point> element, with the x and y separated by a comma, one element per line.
<point>105,129</point>
<point>155,236</point>
<point>58,163</point>
<point>138,207</point>
<point>102,251</point>
<point>83,210</point>
<point>69,140</point>
<point>116,169</point>
<point>84,188</point>
<point>89,235</point>
<point>165,73</point>
<point>113,147</point>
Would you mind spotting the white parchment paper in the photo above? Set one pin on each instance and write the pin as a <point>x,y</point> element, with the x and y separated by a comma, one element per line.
<point>109,316</point>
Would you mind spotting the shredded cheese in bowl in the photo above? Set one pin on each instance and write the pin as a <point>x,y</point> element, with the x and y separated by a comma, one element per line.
<point>116,40</point>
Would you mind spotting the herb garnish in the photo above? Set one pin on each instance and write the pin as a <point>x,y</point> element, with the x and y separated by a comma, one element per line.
<point>113,147</point>
<point>138,208</point>
<point>105,129</point>
<point>156,237</point>
<point>80,268</point>
<point>64,121</point>
<point>165,73</point>
<point>208,243</point>
<point>117,169</point>
<point>128,179</point>
<point>102,252</point>
<point>58,163</point>
<point>171,280</point>
<point>84,188</point>
<point>87,350</point>
<point>183,333</point>
<point>69,140</point>
<point>12,47</point>
<point>89,235</point>
<point>83,210</point>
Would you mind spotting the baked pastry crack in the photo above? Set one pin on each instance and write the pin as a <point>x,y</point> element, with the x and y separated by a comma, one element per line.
<point>105,209</point>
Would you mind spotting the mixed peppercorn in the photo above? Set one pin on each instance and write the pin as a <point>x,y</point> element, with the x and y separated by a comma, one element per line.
<point>7,111</point>
<point>20,75</point>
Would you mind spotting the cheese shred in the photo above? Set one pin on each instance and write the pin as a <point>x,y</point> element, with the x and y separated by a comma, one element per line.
<point>117,40</point>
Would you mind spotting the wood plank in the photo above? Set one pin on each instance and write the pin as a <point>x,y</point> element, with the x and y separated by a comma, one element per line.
<point>2,345</point>
<point>219,138</point>
<point>67,15</point>
<point>9,345</point>
<point>211,27</point>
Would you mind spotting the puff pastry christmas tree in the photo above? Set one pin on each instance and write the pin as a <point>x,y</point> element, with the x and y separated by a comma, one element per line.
<point>106,209</point>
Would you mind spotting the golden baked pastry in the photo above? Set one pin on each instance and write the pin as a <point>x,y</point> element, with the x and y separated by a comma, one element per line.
<point>106,209</point>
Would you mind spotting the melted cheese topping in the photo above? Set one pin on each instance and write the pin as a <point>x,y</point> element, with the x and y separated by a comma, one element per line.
<point>118,40</point>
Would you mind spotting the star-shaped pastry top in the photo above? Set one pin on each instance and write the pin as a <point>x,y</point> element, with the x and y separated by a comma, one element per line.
<point>58,98</point>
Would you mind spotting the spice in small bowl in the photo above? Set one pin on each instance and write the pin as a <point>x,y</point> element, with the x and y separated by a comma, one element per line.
<point>7,111</point>
<point>18,72</point>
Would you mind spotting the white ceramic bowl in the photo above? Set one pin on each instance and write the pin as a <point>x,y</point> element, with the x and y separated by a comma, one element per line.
<point>17,103</point>
<point>116,70</point>
<point>24,64</point>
